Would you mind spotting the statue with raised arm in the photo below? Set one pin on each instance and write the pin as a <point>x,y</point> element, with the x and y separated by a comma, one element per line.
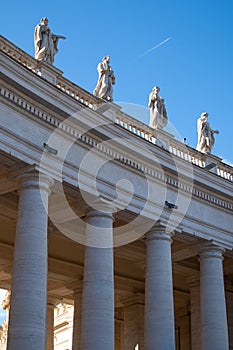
<point>45,42</point>
<point>158,112</point>
<point>206,138</point>
<point>106,79</point>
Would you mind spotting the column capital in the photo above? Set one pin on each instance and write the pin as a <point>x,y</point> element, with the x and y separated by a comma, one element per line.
<point>34,180</point>
<point>31,177</point>
<point>203,245</point>
<point>210,250</point>
<point>158,231</point>
<point>100,207</point>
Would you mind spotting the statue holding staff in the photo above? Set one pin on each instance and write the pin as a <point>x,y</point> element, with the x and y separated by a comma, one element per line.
<point>106,79</point>
<point>206,138</point>
<point>158,112</point>
<point>45,42</point>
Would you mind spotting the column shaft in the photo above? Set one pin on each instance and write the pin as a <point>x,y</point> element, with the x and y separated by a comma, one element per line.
<point>27,322</point>
<point>229,303</point>
<point>159,309</point>
<point>214,333</point>
<point>98,286</point>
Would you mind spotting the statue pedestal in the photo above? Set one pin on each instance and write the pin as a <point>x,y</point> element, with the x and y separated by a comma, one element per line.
<point>163,138</point>
<point>211,162</point>
<point>48,72</point>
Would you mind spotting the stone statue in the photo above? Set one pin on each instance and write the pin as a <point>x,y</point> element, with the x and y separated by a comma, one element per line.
<point>158,113</point>
<point>206,138</point>
<point>106,79</point>
<point>45,42</point>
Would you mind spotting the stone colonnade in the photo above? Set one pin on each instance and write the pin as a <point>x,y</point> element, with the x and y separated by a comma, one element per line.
<point>27,322</point>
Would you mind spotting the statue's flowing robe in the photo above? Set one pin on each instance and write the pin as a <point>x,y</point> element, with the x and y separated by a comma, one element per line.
<point>45,45</point>
<point>158,113</point>
<point>206,138</point>
<point>106,79</point>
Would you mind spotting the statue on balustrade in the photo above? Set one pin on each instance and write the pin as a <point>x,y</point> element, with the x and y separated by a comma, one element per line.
<point>206,138</point>
<point>106,80</point>
<point>46,43</point>
<point>158,112</point>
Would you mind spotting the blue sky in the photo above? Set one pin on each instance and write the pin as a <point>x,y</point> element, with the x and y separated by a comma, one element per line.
<point>193,68</point>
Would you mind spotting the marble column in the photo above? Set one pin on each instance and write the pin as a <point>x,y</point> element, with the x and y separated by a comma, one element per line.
<point>77,320</point>
<point>27,322</point>
<point>214,330</point>
<point>229,304</point>
<point>98,286</point>
<point>159,305</point>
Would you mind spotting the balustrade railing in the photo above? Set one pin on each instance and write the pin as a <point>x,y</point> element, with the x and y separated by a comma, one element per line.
<point>225,171</point>
<point>135,126</point>
<point>78,93</point>
<point>187,153</point>
<point>125,121</point>
<point>175,147</point>
<point>62,83</point>
<point>17,54</point>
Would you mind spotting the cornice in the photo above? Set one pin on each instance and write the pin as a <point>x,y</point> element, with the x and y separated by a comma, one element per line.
<point>126,160</point>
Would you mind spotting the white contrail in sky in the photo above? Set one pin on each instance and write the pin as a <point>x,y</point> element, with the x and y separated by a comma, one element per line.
<point>155,47</point>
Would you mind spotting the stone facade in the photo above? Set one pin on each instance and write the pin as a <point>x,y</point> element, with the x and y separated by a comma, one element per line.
<point>63,327</point>
<point>139,237</point>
